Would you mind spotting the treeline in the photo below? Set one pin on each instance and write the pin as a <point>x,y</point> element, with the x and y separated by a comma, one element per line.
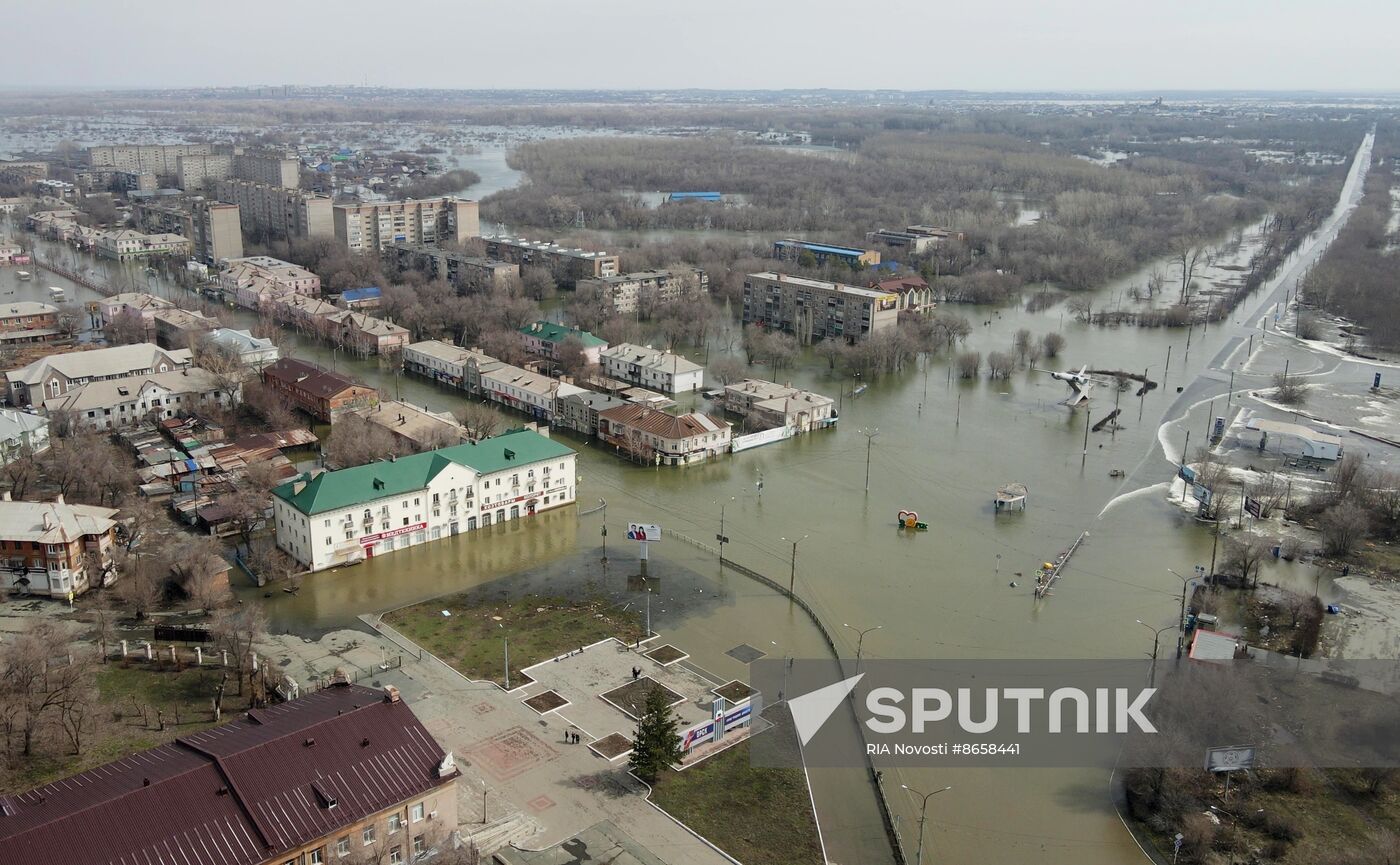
<point>1356,276</point>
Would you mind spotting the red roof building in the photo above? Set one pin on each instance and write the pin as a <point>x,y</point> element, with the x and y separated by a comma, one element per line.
<point>341,769</point>
<point>323,394</point>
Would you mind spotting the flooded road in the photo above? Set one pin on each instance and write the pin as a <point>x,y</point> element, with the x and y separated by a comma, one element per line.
<point>943,447</point>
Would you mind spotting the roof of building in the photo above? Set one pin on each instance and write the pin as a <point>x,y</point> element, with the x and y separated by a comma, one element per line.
<point>1209,645</point>
<point>14,423</point>
<point>1293,429</point>
<point>135,300</point>
<point>367,324</point>
<point>115,391</point>
<point>52,522</point>
<point>597,401</point>
<point>664,425</point>
<point>349,487</point>
<point>416,424</point>
<point>651,358</point>
<point>825,248</point>
<point>704,196</point>
<point>449,353</point>
<point>242,340</point>
<point>240,793</point>
<point>186,319</point>
<point>548,331</point>
<point>820,283</point>
<point>369,292</point>
<point>911,282</point>
<point>523,379</point>
<point>100,361</point>
<point>545,247</point>
<point>17,308</point>
<point>308,376</point>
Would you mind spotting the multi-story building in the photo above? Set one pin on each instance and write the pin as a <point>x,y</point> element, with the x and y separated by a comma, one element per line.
<point>652,368</point>
<point>567,265</point>
<point>416,428</point>
<point>251,281</point>
<point>126,244</point>
<point>323,394</point>
<point>429,221</point>
<point>468,273</point>
<point>913,292</point>
<point>544,338</point>
<point>176,328</point>
<point>579,411</point>
<point>631,292</point>
<point>112,404</point>
<point>821,253</point>
<point>447,363</point>
<point>161,160</point>
<point>814,309</point>
<point>306,314</point>
<point>22,433</point>
<point>21,171</point>
<point>277,211</point>
<point>274,168</point>
<point>251,350</point>
<point>365,334</point>
<point>213,227</point>
<point>523,390</point>
<point>133,303</point>
<point>54,549</point>
<point>368,298</point>
<point>194,170</point>
<point>344,770</point>
<point>346,516</point>
<point>779,405</point>
<point>27,315</point>
<point>56,374</point>
<point>652,436</point>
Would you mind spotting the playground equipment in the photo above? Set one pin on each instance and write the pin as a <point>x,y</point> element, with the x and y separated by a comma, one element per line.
<point>910,520</point>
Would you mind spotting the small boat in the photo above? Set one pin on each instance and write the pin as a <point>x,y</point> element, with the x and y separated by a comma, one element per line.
<point>23,275</point>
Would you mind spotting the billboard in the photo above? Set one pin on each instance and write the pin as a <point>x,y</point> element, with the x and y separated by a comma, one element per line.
<point>1186,473</point>
<point>643,532</point>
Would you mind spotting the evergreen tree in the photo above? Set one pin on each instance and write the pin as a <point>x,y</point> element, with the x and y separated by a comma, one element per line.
<point>657,743</point>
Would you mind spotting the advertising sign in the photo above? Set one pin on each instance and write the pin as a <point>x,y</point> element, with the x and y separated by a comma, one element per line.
<point>643,532</point>
<point>698,735</point>
<point>1186,473</point>
<point>1230,759</point>
<point>737,716</point>
<point>1253,507</point>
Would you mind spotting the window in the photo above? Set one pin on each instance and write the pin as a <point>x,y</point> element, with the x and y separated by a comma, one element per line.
<point>316,857</point>
<point>367,836</point>
<point>416,812</point>
<point>395,823</point>
<point>395,856</point>
<point>328,540</point>
<point>420,845</point>
<point>342,847</point>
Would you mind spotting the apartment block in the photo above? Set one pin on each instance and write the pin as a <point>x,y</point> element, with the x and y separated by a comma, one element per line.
<point>821,253</point>
<point>213,227</point>
<point>444,362</point>
<point>651,436</point>
<point>158,159</point>
<point>126,244</point>
<point>274,168</point>
<point>813,309</point>
<point>253,281</point>
<point>631,292</point>
<point>115,403</point>
<point>54,549</point>
<point>468,273</point>
<point>277,211</point>
<point>429,221</point>
<point>342,770</point>
<point>651,368</point>
<point>58,373</point>
<point>567,265</point>
<point>194,170</point>
<point>323,394</point>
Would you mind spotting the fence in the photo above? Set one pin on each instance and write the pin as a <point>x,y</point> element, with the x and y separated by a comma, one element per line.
<point>876,778</point>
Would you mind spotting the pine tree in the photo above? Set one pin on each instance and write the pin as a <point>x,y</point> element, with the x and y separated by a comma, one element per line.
<point>657,743</point>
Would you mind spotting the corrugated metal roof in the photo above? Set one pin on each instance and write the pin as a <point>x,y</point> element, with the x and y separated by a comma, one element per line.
<point>236,794</point>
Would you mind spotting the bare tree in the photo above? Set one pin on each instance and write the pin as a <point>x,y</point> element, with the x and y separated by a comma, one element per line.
<point>237,631</point>
<point>1342,526</point>
<point>1052,344</point>
<point>969,363</point>
<point>480,420</point>
<point>1245,556</point>
<point>999,364</point>
<point>729,369</point>
<point>1289,391</point>
<point>355,441</point>
<point>125,328</point>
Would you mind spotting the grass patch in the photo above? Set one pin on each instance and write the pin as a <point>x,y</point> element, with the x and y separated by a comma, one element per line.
<point>758,816</point>
<point>472,639</point>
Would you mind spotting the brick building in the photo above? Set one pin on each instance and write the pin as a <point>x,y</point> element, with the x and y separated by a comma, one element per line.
<point>323,394</point>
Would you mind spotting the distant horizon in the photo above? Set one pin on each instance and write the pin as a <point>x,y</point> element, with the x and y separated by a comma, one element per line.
<point>1149,92</point>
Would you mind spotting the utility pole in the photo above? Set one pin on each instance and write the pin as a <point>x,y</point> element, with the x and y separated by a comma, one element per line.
<point>1210,418</point>
<point>1184,449</point>
<point>869,443</point>
<point>722,537</point>
<point>792,575</point>
<point>1085,457</point>
<point>1166,369</point>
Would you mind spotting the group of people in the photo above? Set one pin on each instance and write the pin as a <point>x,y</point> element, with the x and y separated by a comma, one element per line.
<point>571,737</point>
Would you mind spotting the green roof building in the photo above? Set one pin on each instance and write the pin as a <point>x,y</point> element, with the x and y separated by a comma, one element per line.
<point>345,516</point>
<point>543,338</point>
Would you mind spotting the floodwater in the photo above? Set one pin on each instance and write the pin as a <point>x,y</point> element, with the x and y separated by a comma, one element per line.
<point>960,590</point>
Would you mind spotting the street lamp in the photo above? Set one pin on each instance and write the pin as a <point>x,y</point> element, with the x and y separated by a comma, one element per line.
<point>860,641</point>
<point>1181,622</point>
<point>923,815</point>
<point>506,637</point>
<point>722,537</point>
<point>604,505</point>
<point>792,576</point>
<point>1156,635</point>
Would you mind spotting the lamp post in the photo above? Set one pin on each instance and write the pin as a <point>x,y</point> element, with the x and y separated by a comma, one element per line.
<point>923,816</point>
<point>860,639</point>
<point>792,576</point>
<point>604,505</point>
<point>506,637</point>
<point>722,537</point>
<point>1181,622</point>
<point>1156,635</point>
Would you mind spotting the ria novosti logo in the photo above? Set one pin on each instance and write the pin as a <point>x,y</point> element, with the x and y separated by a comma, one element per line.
<point>1091,713</point>
<point>919,710</point>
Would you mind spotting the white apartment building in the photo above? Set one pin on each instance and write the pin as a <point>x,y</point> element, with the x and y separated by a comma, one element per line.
<point>158,159</point>
<point>429,221</point>
<point>119,402</point>
<point>652,368</point>
<point>445,362</point>
<point>526,391</point>
<point>346,516</point>
<point>277,210</point>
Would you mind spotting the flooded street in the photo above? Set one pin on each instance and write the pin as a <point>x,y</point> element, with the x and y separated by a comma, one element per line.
<point>943,447</point>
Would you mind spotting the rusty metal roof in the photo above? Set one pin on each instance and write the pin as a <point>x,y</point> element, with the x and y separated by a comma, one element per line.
<point>237,794</point>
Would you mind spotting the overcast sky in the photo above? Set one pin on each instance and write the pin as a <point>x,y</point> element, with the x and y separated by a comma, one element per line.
<point>639,44</point>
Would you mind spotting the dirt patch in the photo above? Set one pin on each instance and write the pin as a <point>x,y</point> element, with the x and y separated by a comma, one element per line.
<point>546,702</point>
<point>735,691</point>
<point>611,746</point>
<point>666,655</point>
<point>631,698</point>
